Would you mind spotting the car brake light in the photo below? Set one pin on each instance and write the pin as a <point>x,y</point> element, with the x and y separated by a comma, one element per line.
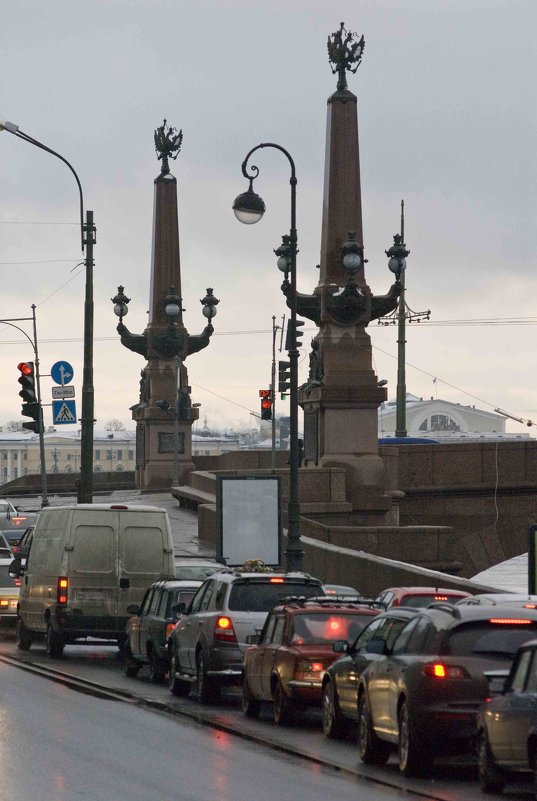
<point>276,580</point>
<point>511,621</point>
<point>308,671</point>
<point>224,630</point>
<point>441,598</point>
<point>169,628</point>
<point>530,606</point>
<point>61,591</point>
<point>437,670</point>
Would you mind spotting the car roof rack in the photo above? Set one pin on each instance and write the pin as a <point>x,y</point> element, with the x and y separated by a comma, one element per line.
<point>443,606</point>
<point>324,600</point>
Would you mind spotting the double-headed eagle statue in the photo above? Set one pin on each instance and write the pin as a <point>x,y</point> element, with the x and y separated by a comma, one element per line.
<point>167,144</point>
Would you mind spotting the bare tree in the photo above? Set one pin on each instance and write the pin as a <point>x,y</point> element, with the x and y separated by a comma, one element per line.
<point>13,425</point>
<point>115,425</point>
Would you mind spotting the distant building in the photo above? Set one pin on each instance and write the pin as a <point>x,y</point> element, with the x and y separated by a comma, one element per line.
<point>20,455</point>
<point>442,420</point>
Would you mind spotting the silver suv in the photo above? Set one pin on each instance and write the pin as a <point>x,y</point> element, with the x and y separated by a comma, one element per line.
<point>207,644</point>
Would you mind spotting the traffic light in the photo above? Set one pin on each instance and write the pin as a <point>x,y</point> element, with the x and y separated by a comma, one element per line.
<point>284,380</point>
<point>266,404</point>
<point>297,334</point>
<point>30,407</point>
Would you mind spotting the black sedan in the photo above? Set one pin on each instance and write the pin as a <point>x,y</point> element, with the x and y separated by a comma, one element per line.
<point>340,681</point>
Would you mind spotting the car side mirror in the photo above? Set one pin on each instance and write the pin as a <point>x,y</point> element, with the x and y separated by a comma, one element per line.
<point>340,646</point>
<point>252,639</point>
<point>16,569</point>
<point>179,609</point>
<point>133,609</point>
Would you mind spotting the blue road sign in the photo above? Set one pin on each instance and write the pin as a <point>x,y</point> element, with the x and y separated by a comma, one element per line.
<point>62,373</point>
<point>63,411</point>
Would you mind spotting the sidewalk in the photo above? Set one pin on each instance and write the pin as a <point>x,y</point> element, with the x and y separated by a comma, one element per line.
<point>183,522</point>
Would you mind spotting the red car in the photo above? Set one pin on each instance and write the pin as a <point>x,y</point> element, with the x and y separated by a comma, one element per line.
<point>417,596</point>
<point>287,662</point>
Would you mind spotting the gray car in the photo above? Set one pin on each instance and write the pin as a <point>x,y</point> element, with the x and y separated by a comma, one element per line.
<point>507,725</point>
<point>206,647</point>
<point>150,625</point>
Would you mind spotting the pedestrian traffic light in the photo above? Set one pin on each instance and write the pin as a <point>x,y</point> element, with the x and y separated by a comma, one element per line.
<point>30,407</point>
<point>294,332</point>
<point>266,404</point>
<point>284,379</point>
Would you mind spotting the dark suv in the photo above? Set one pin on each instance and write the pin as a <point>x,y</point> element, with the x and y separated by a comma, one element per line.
<point>423,696</point>
<point>206,646</point>
<point>149,628</point>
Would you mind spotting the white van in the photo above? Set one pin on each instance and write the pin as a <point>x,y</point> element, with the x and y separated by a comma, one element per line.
<point>86,565</point>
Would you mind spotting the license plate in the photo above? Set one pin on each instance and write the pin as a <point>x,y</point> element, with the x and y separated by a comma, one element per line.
<point>92,595</point>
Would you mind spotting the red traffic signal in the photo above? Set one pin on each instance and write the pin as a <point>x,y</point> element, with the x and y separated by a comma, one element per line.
<point>266,404</point>
<point>27,381</point>
<point>31,407</point>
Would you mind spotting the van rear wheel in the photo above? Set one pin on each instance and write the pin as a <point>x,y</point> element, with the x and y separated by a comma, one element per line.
<point>55,643</point>
<point>24,637</point>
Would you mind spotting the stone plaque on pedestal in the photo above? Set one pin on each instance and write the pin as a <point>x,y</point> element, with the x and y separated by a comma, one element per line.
<point>166,442</point>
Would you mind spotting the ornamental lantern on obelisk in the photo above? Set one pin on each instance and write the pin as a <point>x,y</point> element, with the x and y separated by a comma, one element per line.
<point>164,413</point>
<point>342,396</point>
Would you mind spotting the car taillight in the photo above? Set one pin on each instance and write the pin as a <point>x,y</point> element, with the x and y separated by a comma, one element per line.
<point>169,628</point>
<point>17,582</point>
<point>223,629</point>
<point>4,602</point>
<point>307,670</point>
<point>437,670</point>
<point>276,580</point>
<point>511,621</point>
<point>61,591</point>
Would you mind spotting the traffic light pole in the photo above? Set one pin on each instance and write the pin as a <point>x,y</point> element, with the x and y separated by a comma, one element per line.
<point>85,490</point>
<point>44,496</point>
<point>33,342</point>
<point>273,388</point>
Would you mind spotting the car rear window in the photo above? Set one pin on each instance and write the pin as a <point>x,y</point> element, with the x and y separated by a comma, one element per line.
<point>5,579</point>
<point>420,601</point>
<point>180,597</point>
<point>262,596</point>
<point>317,628</point>
<point>483,638</point>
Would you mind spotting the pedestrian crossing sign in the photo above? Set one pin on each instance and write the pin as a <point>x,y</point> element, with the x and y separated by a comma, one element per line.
<point>63,411</point>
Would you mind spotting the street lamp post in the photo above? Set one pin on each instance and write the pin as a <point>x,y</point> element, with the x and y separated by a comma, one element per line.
<point>87,234</point>
<point>397,264</point>
<point>249,208</point>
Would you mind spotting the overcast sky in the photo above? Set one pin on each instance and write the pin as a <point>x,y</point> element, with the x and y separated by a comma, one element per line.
<point>447,121</point>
